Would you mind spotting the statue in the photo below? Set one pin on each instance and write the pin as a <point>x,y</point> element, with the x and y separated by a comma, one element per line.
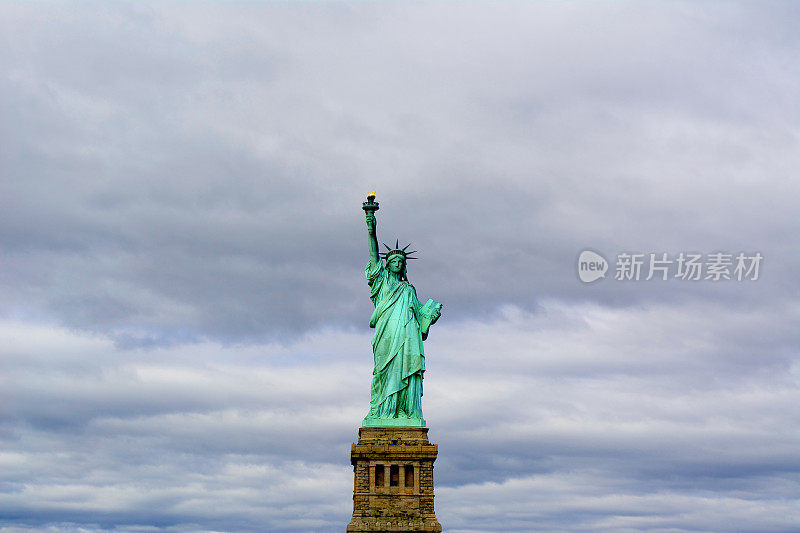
<point>401,323</point>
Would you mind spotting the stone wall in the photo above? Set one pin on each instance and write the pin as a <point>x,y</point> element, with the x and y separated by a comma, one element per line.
<point>400,498</point>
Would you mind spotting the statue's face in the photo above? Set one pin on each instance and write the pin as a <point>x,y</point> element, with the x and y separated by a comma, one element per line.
<point>395,264</point>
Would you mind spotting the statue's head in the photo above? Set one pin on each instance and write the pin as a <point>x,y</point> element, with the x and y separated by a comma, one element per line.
<point>396,264</point>
<point>396,259</point>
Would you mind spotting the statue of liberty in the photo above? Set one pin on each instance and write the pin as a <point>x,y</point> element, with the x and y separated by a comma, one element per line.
<point>401,323</point>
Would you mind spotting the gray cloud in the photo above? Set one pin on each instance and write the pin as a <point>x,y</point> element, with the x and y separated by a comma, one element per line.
<point>175,172</point>
<point>182,304</point>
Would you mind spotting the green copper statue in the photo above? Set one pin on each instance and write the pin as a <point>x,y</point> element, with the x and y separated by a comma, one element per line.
<point>401,323</point>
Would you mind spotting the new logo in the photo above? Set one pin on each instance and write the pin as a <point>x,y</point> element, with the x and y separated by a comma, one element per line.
<point>591,266</point>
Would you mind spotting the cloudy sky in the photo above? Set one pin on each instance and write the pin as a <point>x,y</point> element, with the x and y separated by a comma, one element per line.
<point>184,341</point>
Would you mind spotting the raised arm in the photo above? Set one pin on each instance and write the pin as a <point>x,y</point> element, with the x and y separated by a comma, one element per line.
<point>372,237</point>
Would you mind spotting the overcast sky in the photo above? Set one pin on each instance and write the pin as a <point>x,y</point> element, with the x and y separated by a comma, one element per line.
<point>184,340</point>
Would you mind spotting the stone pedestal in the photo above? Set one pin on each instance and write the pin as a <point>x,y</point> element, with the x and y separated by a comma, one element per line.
<point>393,472</point>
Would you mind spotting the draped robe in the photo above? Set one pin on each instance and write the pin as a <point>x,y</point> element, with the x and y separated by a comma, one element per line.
<point>396,346</point>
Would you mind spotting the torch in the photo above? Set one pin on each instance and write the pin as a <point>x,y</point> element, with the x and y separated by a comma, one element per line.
<point>370,206</point>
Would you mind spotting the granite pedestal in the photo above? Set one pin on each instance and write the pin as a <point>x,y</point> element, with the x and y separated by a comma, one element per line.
<point>393,478</point>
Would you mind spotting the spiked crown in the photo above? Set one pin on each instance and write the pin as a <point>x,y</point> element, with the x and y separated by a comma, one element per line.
<point>397,251</point>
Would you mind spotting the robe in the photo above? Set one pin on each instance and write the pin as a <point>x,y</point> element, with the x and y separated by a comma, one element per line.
<point>399,358</point>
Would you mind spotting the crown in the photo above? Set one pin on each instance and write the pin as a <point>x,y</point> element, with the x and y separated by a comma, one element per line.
<point>398,251</point>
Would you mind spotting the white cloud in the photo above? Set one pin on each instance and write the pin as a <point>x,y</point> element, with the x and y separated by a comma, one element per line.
<point>652,434</point>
